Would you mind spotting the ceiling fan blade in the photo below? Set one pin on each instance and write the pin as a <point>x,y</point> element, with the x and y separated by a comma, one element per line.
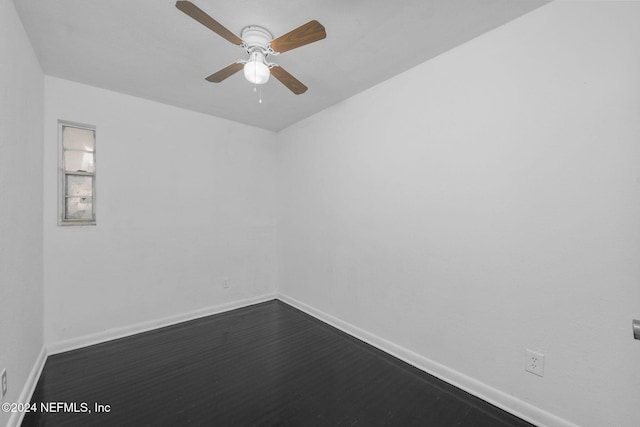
<point>293,84</point>
<point>228,71</point>
<point>310,32</point>
<point>199,15</point>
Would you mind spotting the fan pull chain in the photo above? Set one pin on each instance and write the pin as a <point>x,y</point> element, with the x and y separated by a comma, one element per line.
<point>255,85</point>
<point>255,78</point>
<point>255,90</point>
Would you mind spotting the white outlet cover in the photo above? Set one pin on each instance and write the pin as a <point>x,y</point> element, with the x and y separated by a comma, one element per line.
<point>534,363</point>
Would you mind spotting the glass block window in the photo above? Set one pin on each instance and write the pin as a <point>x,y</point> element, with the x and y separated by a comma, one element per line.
<point>77,174</point>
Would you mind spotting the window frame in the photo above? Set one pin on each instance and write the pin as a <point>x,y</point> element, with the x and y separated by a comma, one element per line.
<point>63,174</point>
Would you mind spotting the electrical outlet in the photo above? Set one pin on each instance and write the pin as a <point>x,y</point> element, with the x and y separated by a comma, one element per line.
<point>3,389</point>
<point>535,363</point>
<point>225,282</point>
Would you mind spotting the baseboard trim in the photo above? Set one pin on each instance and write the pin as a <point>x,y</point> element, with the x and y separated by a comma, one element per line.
<point>115,333</point>
<point>485,392</point>
<point>29,387</point>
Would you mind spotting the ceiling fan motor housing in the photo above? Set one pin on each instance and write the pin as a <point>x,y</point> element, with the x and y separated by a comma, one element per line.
<point>256,38</point>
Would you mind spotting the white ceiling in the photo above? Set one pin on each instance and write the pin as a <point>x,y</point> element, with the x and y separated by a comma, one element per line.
<point>150,49</point>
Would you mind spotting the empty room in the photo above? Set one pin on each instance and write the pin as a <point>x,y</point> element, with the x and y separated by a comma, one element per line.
<point>320,213</point>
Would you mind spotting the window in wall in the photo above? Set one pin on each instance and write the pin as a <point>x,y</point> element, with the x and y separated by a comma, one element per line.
<point>77,174</point>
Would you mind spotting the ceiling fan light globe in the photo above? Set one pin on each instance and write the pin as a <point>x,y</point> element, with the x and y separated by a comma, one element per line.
<point>256,72</point>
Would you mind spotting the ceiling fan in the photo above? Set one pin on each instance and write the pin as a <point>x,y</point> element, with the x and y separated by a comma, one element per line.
<point>259,45</point>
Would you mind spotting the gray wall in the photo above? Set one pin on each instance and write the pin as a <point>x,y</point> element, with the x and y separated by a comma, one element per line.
<point>21,258</point>
<point>484,203</point>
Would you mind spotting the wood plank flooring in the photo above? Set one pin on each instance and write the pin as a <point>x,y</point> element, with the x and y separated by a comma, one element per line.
<point>263,365</point>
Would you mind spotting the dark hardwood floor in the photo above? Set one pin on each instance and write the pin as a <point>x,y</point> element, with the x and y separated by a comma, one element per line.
<point>264,365</point>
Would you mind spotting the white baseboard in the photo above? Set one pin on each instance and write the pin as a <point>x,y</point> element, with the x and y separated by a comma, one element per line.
<point>485,392</point>
<point>112,334</point>
<point>30,385</point>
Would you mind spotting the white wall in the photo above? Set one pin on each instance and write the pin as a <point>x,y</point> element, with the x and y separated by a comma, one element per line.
<point>21,292</point>
<point>482,203</point>
<point>183,200</point>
